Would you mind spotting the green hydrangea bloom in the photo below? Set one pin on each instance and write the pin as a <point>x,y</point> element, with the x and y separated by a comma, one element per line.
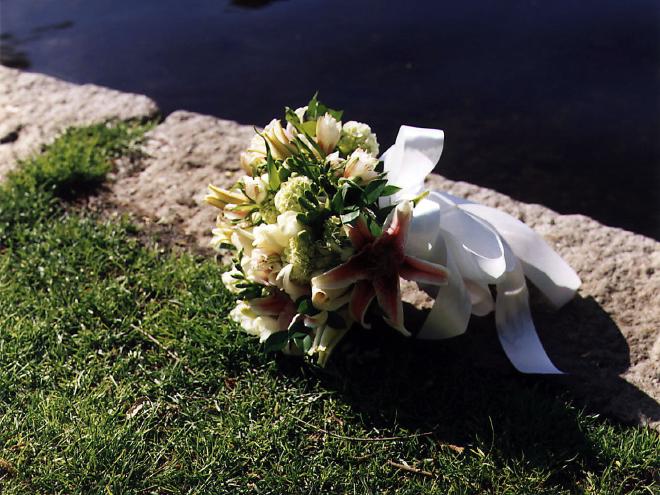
<point>356,135</point>
<point>334,247</point>
<point>268,211</point>
<point>286,198</point>
<point>301,254</point>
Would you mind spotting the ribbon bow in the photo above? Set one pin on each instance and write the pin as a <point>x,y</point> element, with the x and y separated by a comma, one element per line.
<point>480,246</point>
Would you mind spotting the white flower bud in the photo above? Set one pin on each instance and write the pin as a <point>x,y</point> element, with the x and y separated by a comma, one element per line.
<point>284,282</point>
<point>336,163</point>
<point>279,141</point>
<point>329,299</point>
<point>328,131</point>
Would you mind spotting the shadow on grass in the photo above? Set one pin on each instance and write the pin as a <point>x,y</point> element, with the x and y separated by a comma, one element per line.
<point>466,392</point>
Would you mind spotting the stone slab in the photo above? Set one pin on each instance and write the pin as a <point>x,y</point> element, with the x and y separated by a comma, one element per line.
<point>35,108</point>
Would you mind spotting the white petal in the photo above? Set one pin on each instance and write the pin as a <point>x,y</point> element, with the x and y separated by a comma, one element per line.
<point>541,264</point>
<point>515,327</point>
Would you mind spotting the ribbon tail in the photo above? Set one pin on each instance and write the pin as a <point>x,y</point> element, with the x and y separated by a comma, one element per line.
<point>515,327</point>
<point>450,314</point>
<point>542,265</point>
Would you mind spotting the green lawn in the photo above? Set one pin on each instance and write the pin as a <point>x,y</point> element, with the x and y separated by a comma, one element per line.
<point>120,373</point>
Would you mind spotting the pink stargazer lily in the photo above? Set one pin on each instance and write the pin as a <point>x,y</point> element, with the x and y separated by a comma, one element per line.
<point>376,267</point>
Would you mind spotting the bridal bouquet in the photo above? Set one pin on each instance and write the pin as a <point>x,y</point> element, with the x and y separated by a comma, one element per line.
<point>322,229</point>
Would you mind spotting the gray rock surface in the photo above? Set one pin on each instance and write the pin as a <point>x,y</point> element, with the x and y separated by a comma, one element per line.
<point>607,338</point>
<point>184,153</point>
<point>35,108</point>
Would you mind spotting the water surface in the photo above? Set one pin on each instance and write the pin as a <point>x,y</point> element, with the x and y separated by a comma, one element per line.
<point>550,102</point>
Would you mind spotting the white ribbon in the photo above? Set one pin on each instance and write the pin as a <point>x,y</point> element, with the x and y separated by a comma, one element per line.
<point>480,246</point>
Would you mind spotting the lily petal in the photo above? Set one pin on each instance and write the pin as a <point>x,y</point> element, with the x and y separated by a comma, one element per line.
<point>343,275</point>
<point>363,294</point>
<point>271,305</point>
<point>399,224</point>
<point>359,234</point>
<point>423,271</point>
<point>388,293</point>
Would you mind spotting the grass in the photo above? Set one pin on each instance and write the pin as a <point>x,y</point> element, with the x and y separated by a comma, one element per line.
<point>120,373</point>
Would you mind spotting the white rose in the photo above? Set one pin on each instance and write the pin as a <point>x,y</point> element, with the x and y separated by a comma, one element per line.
<point>361,165</point>
<point>328,131</point>
<point>264,326</point>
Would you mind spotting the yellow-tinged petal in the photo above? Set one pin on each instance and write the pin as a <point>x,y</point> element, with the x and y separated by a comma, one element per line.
<point>226,196</point>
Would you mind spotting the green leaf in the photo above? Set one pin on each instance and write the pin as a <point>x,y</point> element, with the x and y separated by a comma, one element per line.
<point>375,227</point>
<point>337,202</point>
<point>309,195</point>
<point>373,191</point>
<point>276,341</point>
<point>271,168</point>
<point>303,218</point>
<point>305,204</point>
<point>384,212</point>
<point>297,325</point>
<point>316,109</point>
<point>389,190</point>
<point>310,128</point>
<point>291,116</point>
<point>350,216</point>
<point>306,307</point>
<point>307,343</point>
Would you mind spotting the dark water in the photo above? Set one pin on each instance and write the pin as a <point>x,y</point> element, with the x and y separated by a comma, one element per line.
<point>549,102</point>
